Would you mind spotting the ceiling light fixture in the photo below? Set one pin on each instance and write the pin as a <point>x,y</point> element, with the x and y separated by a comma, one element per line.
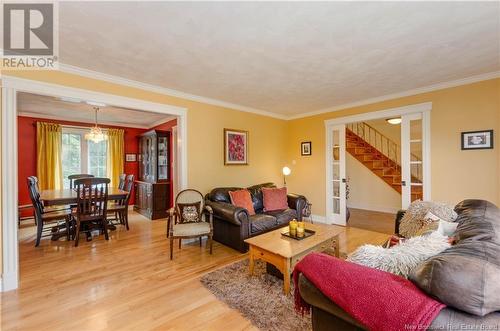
<point>394,121</point>
<point>96,134</point>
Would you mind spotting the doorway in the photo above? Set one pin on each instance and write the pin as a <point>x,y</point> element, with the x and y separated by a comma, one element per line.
<point>412,160</point>
<point>10,87</point>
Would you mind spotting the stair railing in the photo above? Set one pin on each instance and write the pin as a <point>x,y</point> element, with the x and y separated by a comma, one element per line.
<point>386,146</point>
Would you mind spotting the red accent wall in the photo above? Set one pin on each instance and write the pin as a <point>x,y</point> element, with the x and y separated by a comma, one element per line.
<point>27,151</point>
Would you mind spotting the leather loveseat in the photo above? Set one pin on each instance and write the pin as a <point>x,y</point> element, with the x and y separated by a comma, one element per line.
<point>466,277</point>
<point>232,225</point>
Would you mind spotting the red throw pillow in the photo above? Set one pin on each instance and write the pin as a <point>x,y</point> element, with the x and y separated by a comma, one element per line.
<point>274,198</point>
<point>242,198</point>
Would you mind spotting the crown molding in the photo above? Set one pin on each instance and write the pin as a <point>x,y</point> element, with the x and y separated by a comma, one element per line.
<point>162,90</point>
<point>64,117</point>
<point>420,90</point>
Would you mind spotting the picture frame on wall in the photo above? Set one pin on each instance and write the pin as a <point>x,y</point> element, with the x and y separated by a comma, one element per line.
<point>477,140</point>
<point>235,147</point>
<point>130,157</point>
<point>306,148</point>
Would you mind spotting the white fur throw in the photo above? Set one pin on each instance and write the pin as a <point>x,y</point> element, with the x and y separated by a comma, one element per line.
<point>402,258</point>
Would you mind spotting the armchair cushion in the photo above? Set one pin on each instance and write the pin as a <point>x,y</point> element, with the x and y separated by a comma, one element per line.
<point>242,198</point>
<point>191,229</point>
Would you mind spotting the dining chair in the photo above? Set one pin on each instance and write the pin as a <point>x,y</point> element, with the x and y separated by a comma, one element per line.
<point>92,203</point>
<point>121,184</point>
<point>188,219</point>
<point>45,216</point>
<point>72,178</point>
<point>119,208</point>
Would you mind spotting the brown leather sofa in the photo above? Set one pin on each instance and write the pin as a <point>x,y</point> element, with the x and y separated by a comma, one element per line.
<point>466,277</point>
<point>232,225</point>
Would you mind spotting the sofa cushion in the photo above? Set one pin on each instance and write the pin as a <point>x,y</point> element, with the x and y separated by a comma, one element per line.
<point>221,194</point>
<point>467,275</point>
<point>283,216</point>
<point>242,198</point>
<point>262,222</point>
<point>256,193</point>
<point>275,198</point>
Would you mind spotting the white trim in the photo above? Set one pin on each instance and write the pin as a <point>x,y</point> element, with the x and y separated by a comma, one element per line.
<point>331,217</point>
<point>391,112</point>
<point>10,86</point>
<point>10,258</point>
<point>62,118</point>
<point>162,90</point>
<point>159,122</point>
<point>426,153</point>
<point>420,90</point>
<point>381,209</point>
<point>319,219</point>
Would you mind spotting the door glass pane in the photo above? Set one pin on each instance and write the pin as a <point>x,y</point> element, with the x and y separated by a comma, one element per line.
<point>416,150</point>
<point>336,206</point>
<point>162,158</point>
<point>336,146</point>
<point>71,156</point>
<point>97,158</point>
<point>336,171</point>
<point>416,192</point>
<point>336,189</point>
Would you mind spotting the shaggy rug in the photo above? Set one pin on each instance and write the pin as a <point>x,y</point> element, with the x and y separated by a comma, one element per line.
<point>259,297</point>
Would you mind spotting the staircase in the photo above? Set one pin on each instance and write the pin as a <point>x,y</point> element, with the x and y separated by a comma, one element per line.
<point>382,160</point>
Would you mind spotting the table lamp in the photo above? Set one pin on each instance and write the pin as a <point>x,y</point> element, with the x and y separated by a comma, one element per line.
<point>286,172</point>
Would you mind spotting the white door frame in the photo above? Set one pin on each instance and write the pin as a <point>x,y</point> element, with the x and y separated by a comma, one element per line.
<point>423,108</point>
<point>10,87</point>
<point>340,217</point>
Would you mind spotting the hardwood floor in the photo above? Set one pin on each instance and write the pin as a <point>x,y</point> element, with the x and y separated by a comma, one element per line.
<point>126,283</point>
<point>372,220</point>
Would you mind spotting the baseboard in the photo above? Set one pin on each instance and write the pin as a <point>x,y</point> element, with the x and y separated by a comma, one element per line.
<point>318,219</point>
<point>9,282</point>
<point>1,284</point>
<point>382,209</point>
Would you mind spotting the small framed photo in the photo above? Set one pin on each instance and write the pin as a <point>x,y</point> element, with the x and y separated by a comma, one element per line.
<point>131,157</point>
<point>235,147</point>
<point>477,140</point>
<point>306,148</point>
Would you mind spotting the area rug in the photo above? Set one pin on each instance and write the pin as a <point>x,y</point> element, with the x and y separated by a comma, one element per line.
<point>259,297</point>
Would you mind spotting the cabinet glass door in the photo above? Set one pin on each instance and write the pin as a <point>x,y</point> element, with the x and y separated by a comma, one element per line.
<point>162,158</point>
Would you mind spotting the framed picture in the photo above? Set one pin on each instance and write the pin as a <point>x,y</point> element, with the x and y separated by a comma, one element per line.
<point>235,147</point>
<point>477,139</point>
<point>130,157</point>
<point>306,148</point>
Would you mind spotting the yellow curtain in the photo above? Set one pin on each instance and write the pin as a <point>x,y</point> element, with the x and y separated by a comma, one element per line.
<point>116,155</point>
<point>49,156</point>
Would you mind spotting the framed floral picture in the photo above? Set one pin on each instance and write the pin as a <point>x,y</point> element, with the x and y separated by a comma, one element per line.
<point>235,147</point>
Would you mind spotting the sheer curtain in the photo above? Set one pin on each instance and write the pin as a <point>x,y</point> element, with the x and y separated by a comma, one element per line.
<point>49,155</point>
<point>115,155</point>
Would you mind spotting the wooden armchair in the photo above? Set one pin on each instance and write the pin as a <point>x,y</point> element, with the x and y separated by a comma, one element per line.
<point>188,219</point>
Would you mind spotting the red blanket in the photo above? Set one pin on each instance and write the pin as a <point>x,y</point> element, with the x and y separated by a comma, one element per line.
<point>377,299</point>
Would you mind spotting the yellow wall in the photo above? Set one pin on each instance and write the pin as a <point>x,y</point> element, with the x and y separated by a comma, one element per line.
<point>455,174</point>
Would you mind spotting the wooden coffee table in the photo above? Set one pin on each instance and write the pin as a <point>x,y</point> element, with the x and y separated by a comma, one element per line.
<point>284,253</point>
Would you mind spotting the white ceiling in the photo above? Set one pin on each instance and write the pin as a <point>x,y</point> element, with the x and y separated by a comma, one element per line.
<point>283,57</point>
<point>40,106</point>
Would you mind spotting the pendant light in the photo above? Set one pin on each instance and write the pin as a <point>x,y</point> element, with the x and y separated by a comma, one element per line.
<point>96,134</point>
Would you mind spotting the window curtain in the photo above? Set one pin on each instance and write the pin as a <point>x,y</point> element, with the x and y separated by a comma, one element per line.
<point>49,156</point>
<point>116,155</point>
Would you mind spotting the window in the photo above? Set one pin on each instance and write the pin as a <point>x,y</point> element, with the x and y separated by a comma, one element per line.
<point>82,156</point>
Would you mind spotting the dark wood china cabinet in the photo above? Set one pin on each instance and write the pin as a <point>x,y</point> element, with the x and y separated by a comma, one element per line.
<point>152,194</point>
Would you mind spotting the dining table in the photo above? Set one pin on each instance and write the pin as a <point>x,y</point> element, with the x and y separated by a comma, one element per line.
<point>68,197</point>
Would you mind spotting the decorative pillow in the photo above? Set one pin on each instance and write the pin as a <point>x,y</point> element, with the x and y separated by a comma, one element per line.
<point>274,198</point>
<point>414,221</point>
<point>242,198</point>
<point>402,258</point>
<point>189,212</point>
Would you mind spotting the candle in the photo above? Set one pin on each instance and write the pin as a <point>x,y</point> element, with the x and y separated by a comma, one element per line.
<point>301,224</point>
<point>300,232</point>
<point>293,227</point>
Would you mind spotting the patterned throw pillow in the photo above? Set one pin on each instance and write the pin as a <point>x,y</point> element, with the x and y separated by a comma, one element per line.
<point>415,222</point>
<point>189,212</point>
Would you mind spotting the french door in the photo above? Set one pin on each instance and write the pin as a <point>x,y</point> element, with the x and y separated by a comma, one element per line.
<point>415,172</point>
<point>336,175</point>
